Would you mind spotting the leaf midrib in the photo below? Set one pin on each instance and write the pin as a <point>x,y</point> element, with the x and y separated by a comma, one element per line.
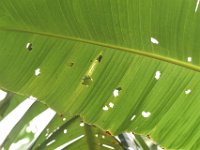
<point>116,47</point>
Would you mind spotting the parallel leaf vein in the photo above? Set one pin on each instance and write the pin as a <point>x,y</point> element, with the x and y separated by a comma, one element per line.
<point>116,47</point>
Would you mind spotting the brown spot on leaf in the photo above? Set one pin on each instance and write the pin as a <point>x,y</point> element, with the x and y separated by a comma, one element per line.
<point>99,58</point>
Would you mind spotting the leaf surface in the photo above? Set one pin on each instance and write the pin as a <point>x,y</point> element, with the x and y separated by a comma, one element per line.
<point>148,50</point>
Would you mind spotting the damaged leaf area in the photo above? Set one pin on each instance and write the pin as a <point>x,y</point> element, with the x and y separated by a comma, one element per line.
<point>73,56</point>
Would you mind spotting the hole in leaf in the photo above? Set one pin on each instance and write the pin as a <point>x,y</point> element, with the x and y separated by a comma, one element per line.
<point>105,108</point>
<point>82,124</point>
<point>189,59</point>
<point>188,91</point>
<point>146,114</point>
<point>61,147</point>
<point>116,91</point>
<point>47,130</point>
<point>87,80</point>
<point>108,146</point>
<point>64,119</point>
<point>154,41</point>
<point>48,135</point>
<point>51,142</point>
<point>29,46</point>
<point>32,98</point>
<point>37,72</point>
<point>111,105</point>
<point>157,75</point>
<point>96,135</point>
<point>65,131</point>
<point>133,117</point>
<point>103,137</point>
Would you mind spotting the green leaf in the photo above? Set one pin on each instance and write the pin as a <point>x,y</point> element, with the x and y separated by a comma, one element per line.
<point>19,131</point>
<point>148,49</point>
<point>59,130</point>
<point>141,142</point>
<point>9,103</point>
<point>85,136</point>
<point>52,127</point>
